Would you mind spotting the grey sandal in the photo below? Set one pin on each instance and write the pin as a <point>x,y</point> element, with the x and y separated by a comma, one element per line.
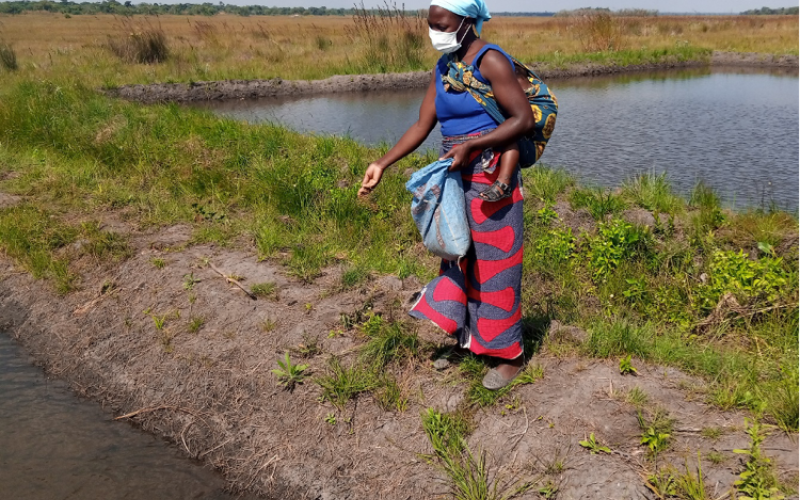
<point>496,192</point>
<point>494,380</point>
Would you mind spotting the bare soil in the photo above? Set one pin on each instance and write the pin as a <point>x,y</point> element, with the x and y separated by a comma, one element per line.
<point>251,89</point>
<point>8,200</point>
<point>212,392</point>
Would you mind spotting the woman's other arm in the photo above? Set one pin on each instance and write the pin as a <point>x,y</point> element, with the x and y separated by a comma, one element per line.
<point>410,141</point>
<point>495,67</point>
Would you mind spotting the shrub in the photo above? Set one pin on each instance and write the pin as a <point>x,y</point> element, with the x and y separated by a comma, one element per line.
<point>734,272</point>
<point>616,241</point>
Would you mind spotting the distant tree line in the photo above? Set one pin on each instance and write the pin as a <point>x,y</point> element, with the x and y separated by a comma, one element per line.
<point>523,14</point>
<point>766,11</point>
<point>588,11</point>
<point>204,9</point>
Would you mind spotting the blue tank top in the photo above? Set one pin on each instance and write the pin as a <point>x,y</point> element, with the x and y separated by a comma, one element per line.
<point>459,112</point>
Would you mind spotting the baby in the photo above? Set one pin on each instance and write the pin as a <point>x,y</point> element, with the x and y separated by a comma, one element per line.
<point>509,157</point>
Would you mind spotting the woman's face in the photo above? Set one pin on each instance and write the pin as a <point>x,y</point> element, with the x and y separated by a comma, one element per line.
<point>441,19</point>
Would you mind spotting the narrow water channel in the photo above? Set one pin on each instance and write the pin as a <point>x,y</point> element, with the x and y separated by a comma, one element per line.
<point>55,446</point>
<point>735,129</point>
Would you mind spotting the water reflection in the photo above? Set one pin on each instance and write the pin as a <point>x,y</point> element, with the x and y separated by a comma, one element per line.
<point>734,128</point>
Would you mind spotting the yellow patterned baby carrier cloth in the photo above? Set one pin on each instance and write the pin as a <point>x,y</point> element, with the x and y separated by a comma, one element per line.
<point>543,104</point>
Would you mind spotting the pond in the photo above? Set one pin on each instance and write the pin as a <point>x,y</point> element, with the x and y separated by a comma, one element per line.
<point>735,129</point>
<point>55,445</point>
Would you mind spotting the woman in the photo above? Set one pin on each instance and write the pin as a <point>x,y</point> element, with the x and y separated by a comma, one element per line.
<point>478,299</point>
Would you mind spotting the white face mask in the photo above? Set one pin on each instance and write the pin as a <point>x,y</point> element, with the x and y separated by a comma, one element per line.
<point>447,42</point>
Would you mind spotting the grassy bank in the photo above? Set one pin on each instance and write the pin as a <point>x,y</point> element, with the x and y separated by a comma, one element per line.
<point>645,272</point>
<point>102,49</point>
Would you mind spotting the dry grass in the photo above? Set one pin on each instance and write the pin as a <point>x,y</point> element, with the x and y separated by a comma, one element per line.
<point>225,46</point>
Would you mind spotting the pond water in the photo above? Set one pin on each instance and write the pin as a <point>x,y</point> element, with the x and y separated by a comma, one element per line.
<point>735,129</point>
<point>55,446</point>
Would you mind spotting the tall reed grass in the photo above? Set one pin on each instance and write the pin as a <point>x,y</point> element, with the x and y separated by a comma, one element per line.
<point>600,31</point>
<point>394,38</point>
<point>232,47</point>
<point>141,42</point>
<point>8,57</point>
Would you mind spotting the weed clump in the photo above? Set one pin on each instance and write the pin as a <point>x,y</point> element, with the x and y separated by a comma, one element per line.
<point>343,383</point>
<point>757,480</point>
<point>390,342</point>
<point>8,57</point>
<point>652,192</point>
<point>141,43</point>
<point>466,470</point>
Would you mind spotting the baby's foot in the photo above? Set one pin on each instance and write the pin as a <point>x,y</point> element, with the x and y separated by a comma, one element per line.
<point>495,192</point>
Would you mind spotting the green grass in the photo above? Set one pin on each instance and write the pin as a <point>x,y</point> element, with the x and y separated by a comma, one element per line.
<point>467,470</point>
<point>84,152</point>
<point>343,383</point>
<point>33,238</point>
<point>388,342</point>
<point>652,192</point>
<point>737,378</point>
<point>628,57</point>
<point>265,290</point>
<point>546,183</point>
<point>599,202</point>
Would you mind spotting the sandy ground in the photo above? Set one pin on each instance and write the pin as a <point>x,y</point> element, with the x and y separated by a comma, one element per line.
<point>212,392</point>
<point>250,89</point>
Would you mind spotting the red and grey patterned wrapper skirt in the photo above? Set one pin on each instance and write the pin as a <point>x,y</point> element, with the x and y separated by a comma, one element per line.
<point>477,299</point>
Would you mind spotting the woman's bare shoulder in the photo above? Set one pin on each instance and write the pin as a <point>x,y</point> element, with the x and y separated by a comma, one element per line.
<point>494,62</point>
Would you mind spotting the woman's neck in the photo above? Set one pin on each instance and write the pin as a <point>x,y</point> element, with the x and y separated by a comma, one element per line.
<point>469,48</point>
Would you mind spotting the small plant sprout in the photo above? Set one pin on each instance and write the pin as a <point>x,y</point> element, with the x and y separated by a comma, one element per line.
<point>625,366</point>
<point>690,485</point>
<point>189,281</point>
<point>158,262</point>
<point>655,441</point>
<point>757,481</point>
<point>265,290</point>
<point>330,418</point>
<point>309,346</point>
<point>593,445</point>
<point>289,375</point>
<point>196,323</point>
<point>656,429</point>
<point>159,321</point>
<point>636,396</point>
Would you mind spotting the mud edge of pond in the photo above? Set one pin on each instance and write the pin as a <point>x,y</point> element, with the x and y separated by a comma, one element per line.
<point>251,89</point>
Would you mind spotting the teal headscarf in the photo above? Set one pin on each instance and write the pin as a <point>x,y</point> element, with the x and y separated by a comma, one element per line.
<point>475,9</point>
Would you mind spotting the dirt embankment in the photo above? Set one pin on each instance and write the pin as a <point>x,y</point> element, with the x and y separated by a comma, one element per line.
<point>168,344</point>
<point>251,89</point>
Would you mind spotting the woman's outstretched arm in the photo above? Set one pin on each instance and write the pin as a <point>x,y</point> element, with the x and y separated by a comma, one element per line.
<point>410,141</point>
<point>494,66</point>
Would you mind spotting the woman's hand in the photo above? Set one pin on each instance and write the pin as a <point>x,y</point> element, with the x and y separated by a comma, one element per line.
<point>460,155</point>
<point>371,178</point>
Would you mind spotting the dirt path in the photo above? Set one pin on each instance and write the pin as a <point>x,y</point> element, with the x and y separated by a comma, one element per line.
<point>251,89</point>
<point>212,393</point>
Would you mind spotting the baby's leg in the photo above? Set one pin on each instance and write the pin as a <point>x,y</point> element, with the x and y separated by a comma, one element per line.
<point>509,159</point>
